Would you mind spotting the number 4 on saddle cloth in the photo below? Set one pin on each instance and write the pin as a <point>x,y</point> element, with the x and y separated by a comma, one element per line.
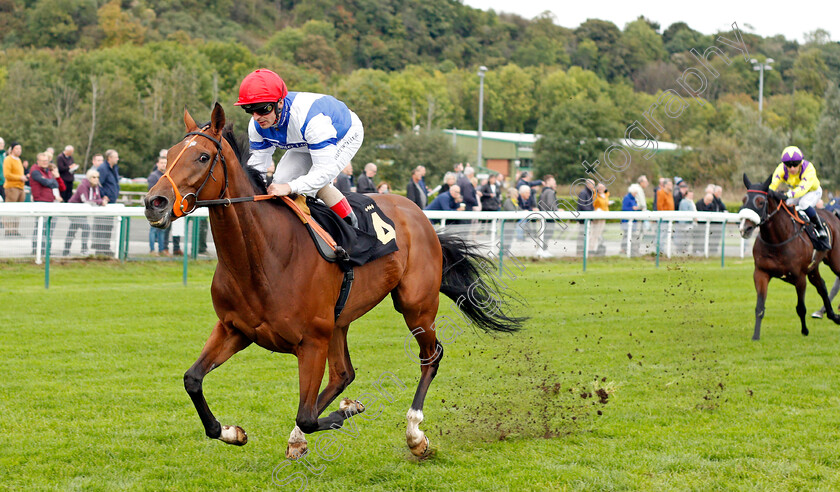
<point>375,237</point>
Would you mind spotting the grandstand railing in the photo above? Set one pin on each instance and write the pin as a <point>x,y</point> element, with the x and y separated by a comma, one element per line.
<point>40,226</point>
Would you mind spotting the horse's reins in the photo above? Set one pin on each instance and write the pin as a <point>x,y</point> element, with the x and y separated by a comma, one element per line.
<point>793,216</point>
<point>179,209</point>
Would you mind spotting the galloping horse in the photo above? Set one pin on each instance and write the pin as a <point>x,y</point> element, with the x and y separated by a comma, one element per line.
<point>272,288</point>
<point>783,250</point>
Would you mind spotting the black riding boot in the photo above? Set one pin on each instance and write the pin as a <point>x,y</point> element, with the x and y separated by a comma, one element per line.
<point>819,227</point>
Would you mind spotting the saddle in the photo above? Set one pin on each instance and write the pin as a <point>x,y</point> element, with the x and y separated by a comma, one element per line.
<point>820,243</point>
<point>339,243</point>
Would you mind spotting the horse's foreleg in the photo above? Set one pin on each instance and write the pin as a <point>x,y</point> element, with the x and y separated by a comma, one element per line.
<point>761,280</point>
<point>224,341</point>
<point>817,281</point>
<point>341,369</point>
<point>801,284</point>
<point>311,365</point>
<point>341,375</point>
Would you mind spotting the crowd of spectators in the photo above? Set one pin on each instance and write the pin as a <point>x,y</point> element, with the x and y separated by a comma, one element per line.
<point>53,179</point>
<point>461,190</point>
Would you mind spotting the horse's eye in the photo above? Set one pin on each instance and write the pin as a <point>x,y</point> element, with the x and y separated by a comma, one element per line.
<point>759,201</point>
<point>203,158</point>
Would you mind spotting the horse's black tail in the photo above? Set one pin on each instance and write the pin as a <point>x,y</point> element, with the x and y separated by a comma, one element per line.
<point>468,280</point>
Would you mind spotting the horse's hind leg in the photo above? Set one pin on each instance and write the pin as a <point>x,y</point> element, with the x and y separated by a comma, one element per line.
<point>224,341</point>
<point>817,281</point>
<point>419,307</point>
<point>341,375</point>
<point>801,284</point>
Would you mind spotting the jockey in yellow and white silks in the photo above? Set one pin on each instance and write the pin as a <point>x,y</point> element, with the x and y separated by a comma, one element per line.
<point>804,189</point>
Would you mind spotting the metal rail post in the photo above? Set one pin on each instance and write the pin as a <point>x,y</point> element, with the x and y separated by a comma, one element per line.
<point>585,241</point>
<point>47,255</point>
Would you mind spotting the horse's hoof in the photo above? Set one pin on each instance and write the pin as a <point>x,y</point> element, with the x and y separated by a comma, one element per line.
<point>295,450</point>
<point>351,407</point>
<point>755,339</point>
<point>818,315</point>
<point>233,434</point>
<point>805,332</point>
<point>421,449</point>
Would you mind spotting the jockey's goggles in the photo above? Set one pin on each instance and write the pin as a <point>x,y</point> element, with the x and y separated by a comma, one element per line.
<point>792,163</point>
<point>260,109</point>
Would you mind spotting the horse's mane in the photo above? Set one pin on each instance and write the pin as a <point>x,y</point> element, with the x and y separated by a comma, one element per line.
<point>242,149</point>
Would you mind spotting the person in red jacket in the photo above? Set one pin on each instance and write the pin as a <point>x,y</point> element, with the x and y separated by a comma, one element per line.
<point>42,182</point>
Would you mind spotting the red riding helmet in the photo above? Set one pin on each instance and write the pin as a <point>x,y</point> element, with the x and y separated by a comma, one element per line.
<point>261,85</point>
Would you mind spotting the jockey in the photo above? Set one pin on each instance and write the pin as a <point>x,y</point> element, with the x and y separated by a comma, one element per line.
<point>320,133</point>
<point>804,189</point>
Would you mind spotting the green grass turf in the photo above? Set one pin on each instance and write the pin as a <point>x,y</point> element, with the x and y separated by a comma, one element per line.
<point>628,377</point>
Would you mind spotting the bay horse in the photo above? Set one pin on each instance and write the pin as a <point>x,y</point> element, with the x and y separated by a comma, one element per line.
<point>783,249</point>
<point>272,288</point>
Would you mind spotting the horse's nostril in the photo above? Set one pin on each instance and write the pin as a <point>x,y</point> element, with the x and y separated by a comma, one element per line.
<point>159,202</point>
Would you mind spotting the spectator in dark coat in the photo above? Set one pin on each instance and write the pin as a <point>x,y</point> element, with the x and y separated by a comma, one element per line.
<point>468,190</point>
<point>491,194</point>
<point>548,197</point>
<point>525,179</point>
<point>679,194</point>
<point>706,204</point>
<point>109,184</point>
<point>366,184</point>
<point>448,200</point>
<point>526,199</point>
<point>344,181</point>
<point>719,205</point>
<point>66,167</point>
<point>109,175</point>
<point>586,198</point>
<point>415,191</point>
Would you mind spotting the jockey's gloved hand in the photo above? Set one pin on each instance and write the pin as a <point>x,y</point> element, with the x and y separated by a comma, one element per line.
<point>778,195</point>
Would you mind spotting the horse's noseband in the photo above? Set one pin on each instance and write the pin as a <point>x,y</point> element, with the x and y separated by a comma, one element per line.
<point>180,207</point>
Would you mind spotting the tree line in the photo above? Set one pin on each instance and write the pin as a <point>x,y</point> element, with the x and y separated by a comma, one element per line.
<point>111,74</point>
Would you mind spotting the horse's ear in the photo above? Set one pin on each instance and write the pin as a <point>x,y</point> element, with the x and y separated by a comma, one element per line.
<point>217,119</point>
<point>747,181</point>
<point>768,180</point>
<point>189,122</point>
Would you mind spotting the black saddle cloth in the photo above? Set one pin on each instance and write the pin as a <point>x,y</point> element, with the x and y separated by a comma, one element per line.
<point>364,244</point>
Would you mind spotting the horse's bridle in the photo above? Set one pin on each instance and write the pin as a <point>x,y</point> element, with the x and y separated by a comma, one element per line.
<point>767,217</point>
<point>179,206</point>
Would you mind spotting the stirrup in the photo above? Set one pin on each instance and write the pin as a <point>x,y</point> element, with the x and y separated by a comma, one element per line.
<point>352,220</point>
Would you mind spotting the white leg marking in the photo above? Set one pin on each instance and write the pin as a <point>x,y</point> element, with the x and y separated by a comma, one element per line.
<point>353,406</point>
<point>297,435</point>
<point>413,434</point>
<point>228,433</point>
